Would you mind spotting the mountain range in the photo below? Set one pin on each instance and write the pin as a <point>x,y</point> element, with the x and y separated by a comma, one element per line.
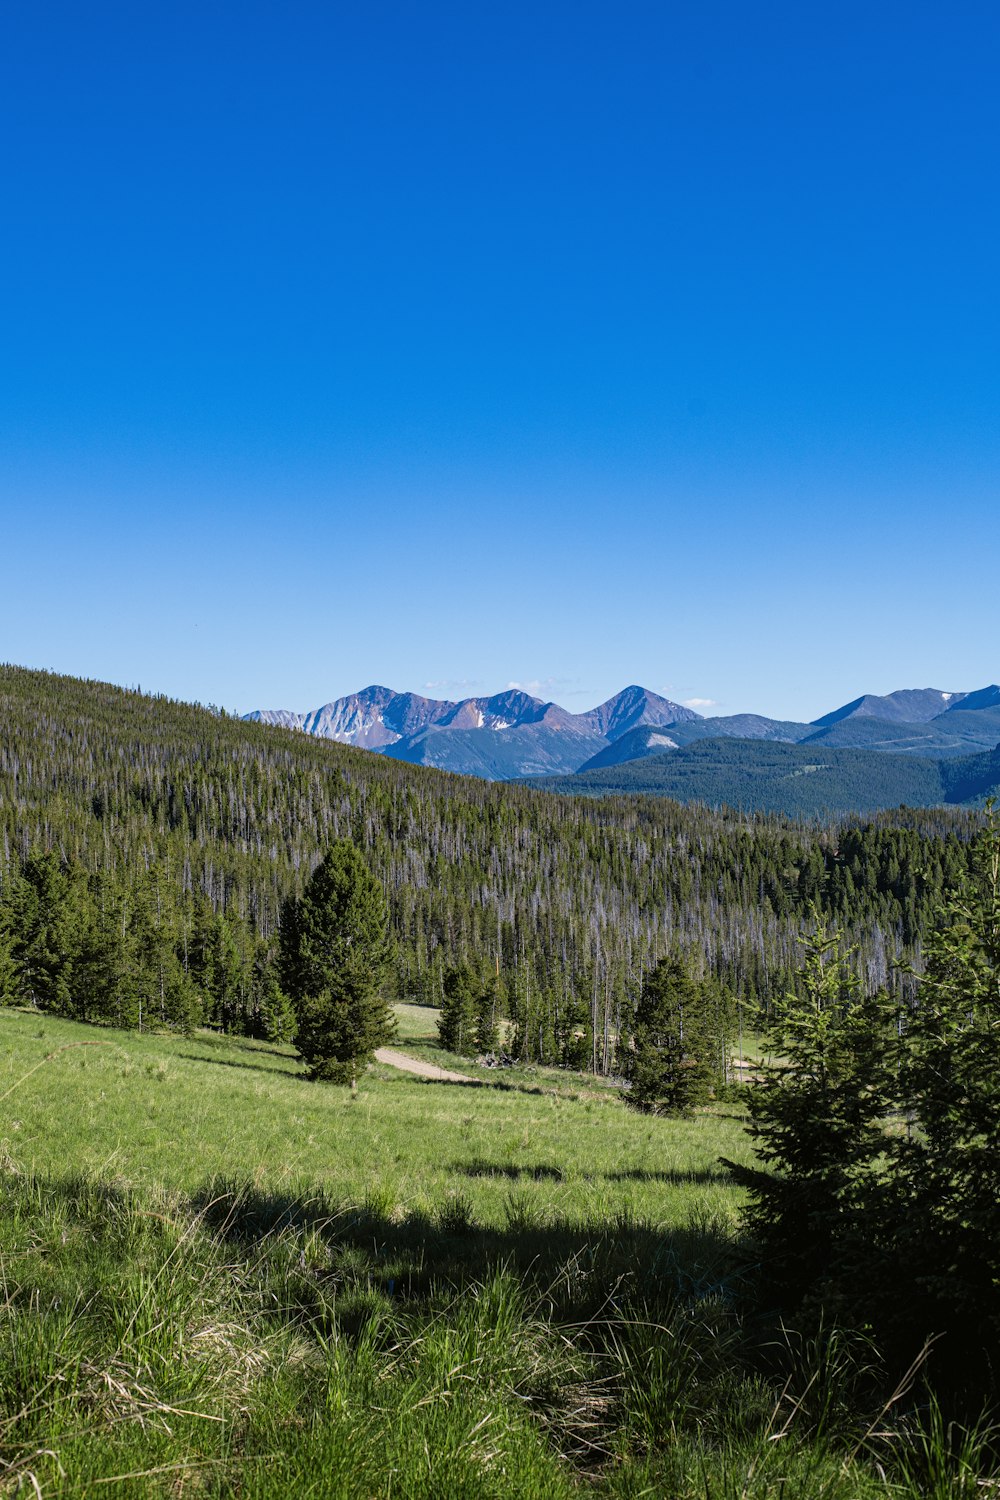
<point>512,735</point>
<point>508,735</point>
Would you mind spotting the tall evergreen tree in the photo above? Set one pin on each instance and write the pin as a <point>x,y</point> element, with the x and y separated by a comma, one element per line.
<point>948,1165</point>
<point>8,969</point>
<point>103,973</point>
<point>671,1061</point>
<point>818,1118</point>
<point>457,1023</point>
<point>488,1012</point>
<point>43,940</point>
<point>881,1132</point>
<point>336,949</point>
<point>274,1011</point>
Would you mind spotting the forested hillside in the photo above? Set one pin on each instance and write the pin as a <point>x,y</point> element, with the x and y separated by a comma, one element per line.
<point>801,781</point>
<point>175,833</point>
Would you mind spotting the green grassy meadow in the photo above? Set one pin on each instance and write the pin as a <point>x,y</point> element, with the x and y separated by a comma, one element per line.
<point>221,1279</point>
<point>149,1111</point>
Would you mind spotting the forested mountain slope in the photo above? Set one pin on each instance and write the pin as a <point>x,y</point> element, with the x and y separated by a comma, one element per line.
<point>180,832</point>
<point>803,781</point>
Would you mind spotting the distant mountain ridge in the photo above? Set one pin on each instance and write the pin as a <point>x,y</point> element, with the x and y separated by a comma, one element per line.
<point>512,734</point>
<point>500,737</point>
<point>907,706</point>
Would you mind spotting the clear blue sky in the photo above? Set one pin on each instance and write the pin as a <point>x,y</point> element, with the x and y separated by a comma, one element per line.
<point>572,344</point>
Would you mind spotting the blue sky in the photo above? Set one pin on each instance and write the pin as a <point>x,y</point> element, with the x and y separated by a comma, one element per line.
<point>450,346</point>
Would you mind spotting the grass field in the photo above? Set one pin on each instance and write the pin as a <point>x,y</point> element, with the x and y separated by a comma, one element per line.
<point>221,1279</point>
<point>166,1111</point>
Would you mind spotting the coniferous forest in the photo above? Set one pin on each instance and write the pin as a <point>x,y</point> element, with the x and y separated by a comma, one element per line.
<point>147,848</point>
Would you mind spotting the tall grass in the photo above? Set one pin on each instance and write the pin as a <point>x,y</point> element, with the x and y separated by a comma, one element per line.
<point>541,1299</point>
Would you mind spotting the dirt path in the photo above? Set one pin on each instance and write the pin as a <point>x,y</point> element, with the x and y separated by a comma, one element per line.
<point>394,1059</point>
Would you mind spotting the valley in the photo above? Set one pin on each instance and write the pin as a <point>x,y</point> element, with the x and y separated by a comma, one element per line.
<point>183,833</point>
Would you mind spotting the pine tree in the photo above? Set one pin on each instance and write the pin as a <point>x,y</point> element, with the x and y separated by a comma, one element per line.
<point>289,966</point>
<point>223,978</point>
<point>949,1163</point>
<point>42,936</point>
<point>881,1130</point>
<point>818,1118</point>
<point>457,1023</point>
<point>488,1011</point>
<point>8,969</point>
<point>101,969</point>
<point>669,1065</point>
<point>335,952</point>
<point>275,1009</point>
<point>721,1026</point>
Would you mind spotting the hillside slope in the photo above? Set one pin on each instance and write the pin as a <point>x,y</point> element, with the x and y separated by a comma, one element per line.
<point>803,781</point>
<point>189,829</point>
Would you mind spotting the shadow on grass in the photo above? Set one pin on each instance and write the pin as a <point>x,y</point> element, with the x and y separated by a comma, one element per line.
<point>231,1062</point>
<point>332,1268</point>
<point>234,1043</point>
<point>538,1173</point>
<point>336,1269</point>
<point>542,1172</point>
<point>403,1075</point>
<point>684,1177</point>
<point>418,1255</point>
<point>498,1085</point>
